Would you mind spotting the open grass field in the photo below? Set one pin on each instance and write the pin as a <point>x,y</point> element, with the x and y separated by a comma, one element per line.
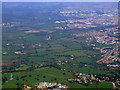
<point>104,85</point>
<point>38,75</point>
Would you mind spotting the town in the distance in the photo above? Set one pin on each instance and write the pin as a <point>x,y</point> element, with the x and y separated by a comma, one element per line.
<point>56,45</point>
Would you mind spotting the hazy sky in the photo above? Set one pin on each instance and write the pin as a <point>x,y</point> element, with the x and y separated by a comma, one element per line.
<point>60,0</point>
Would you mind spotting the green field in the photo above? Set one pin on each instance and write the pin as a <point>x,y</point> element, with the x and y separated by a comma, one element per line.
<point>38,75</point>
